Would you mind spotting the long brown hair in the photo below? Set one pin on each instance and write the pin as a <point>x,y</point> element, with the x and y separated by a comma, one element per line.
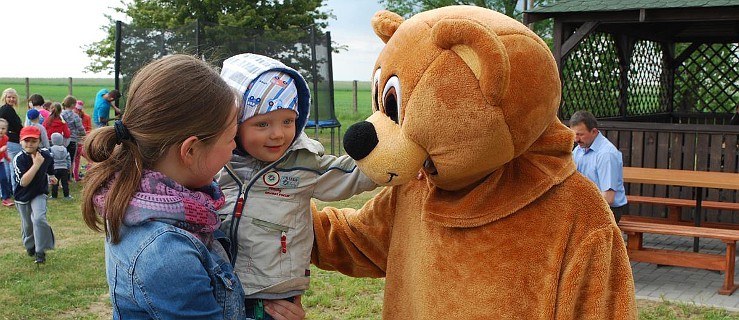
<point>169,100</point>
<point>56,112</point>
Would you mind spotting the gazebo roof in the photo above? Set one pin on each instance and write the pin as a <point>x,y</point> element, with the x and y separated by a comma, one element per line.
<point>562,6</point>
<point>660,20</point>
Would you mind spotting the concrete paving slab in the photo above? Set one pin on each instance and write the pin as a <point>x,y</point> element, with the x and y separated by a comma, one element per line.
<point>678,284</point>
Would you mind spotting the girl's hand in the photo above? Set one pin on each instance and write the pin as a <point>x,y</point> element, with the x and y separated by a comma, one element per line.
<point>285,310</point>
<point>53,180</point>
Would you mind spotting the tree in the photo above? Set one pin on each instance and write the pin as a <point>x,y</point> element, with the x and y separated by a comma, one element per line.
<point>408,8</point>
<point>285,21</point>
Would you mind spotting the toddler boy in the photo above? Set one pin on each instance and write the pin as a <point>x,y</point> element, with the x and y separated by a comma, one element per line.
<point>274,172</point>
<point>33,117</point>
<point>62,163</point>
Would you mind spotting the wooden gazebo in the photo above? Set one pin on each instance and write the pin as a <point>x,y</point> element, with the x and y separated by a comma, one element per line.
<point>663,78</point>
<point>668,61</point>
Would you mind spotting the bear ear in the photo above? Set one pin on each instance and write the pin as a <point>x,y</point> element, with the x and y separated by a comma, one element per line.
<point>482,51</point>
<point>385,23</point>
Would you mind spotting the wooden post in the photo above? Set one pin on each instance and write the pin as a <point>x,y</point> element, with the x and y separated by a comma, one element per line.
<point>354,96</point>
<point>28,90</point>
<point>69,86</point>
<point>528,5</point>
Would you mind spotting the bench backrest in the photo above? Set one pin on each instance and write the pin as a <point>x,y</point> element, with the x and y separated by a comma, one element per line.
<point>701,147</point>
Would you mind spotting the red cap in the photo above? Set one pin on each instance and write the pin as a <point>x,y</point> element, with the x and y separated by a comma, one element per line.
<point>30,132</point>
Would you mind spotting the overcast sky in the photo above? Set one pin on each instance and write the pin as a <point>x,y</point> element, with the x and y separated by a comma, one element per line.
<point>44,38</point>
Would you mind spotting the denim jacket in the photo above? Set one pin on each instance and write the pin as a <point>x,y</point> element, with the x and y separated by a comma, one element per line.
<point>159,271</point>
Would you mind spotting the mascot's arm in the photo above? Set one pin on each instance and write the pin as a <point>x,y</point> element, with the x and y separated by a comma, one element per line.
<point>597,280</point>
<point>354,242</point>
<point>341,179</point>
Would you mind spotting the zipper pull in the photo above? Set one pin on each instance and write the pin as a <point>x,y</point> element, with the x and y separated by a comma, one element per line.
<point>283,242</point>
<point>239,207</point>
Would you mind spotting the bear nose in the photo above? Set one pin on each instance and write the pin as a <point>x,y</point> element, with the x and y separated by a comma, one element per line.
<point>360,139</point>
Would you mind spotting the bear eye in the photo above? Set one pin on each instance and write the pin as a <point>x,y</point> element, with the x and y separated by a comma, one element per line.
<point>376,90</point>
<point>391,99</point>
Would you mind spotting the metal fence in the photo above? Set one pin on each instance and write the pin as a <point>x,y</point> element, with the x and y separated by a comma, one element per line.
<point>305,50</point>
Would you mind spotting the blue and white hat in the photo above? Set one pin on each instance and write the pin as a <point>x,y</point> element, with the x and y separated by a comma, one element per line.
<point>263,85</point>
<point>272,90</point>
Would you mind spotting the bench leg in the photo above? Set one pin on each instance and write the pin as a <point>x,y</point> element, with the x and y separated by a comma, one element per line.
<point>673,214</point>
<point>729,286</point>
<point>634,240</point>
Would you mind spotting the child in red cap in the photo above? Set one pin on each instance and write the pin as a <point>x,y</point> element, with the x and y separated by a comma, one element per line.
<point>34,169</point>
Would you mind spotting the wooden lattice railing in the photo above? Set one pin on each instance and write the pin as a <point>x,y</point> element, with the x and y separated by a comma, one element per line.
<point>693,83</point>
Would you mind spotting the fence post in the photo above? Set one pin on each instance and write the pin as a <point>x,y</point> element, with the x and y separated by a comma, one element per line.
<point>354,96</point>
<point>69,86</point>
<point>28,90</point>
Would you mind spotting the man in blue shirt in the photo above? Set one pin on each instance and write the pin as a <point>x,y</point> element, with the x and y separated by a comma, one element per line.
<point>599,160</point>
<point>101,111</point>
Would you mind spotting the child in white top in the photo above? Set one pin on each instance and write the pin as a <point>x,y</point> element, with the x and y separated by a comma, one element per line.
<point>274,172</point>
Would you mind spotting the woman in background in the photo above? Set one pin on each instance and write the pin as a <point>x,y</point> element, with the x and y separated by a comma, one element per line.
<point>9,112</point>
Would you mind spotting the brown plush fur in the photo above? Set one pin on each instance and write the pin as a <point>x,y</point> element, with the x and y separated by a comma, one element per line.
<point>504,228</point>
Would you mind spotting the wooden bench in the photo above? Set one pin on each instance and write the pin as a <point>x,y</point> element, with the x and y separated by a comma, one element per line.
<point>674,205</point>
<point>726,263</point>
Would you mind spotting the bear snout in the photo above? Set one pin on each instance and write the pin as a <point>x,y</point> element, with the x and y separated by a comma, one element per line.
<point>360,139</point>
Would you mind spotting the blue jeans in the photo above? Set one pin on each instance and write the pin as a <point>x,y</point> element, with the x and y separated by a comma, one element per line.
<point>6,190</point>
<point>13,149</point>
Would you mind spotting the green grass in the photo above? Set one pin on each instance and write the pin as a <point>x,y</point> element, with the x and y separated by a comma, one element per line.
<point>72,285</point>
<point>72,282</point>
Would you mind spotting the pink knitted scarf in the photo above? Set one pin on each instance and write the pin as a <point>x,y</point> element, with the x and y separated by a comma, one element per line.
<point>162,199</point>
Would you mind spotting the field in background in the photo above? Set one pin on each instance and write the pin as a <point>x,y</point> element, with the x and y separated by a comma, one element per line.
<point>55,89</point>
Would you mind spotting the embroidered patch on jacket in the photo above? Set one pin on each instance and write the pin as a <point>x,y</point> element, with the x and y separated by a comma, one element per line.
<point>289,182</point>
<point>271,178</point>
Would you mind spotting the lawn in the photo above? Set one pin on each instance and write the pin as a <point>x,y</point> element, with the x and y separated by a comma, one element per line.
<point>71,285</point>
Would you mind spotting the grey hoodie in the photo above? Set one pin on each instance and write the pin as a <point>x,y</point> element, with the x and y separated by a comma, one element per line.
<point>59,152</point>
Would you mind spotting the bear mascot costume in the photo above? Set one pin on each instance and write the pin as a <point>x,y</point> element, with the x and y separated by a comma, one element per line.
<point>483,215</point>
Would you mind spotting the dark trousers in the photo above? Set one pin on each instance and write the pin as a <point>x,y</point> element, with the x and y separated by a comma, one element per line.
<point>72,149</point>
<point>619,211</point>
<point>62,175</point>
